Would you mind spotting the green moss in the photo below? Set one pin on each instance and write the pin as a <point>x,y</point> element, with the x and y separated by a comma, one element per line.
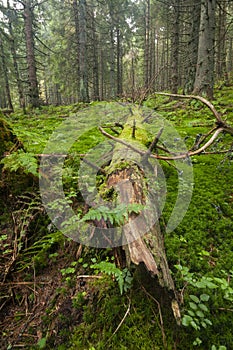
<point>7,137</point>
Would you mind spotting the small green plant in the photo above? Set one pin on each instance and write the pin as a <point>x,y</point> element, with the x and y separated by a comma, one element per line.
<point>42,343</point>
<point>196,316</point>
<point>21,160</point>
<point>68,272</point>
<point>197,313</point>
<point>221,347</point>
<point>116,216</point>
<point>79,300</point>
<point>123,277</point>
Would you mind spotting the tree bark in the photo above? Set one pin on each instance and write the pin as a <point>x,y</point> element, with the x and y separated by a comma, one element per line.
<point>204,80</point>
<point>119,62</point>
<point>95,58</point>
<point>76,24</point>
<point>221,68</point>
<point>31,60</point>
<point>147,45</point>
<point>141,245</point>
<point>175,46</point>
<point>192,49</point>
<point>15,62</point>
<point>5,73</point>
<point>83,67</point>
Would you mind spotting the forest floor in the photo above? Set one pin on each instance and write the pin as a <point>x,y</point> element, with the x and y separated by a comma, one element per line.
<point>53,298</point>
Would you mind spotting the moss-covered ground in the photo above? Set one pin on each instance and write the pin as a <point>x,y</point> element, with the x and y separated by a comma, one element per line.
<point>45,305</point>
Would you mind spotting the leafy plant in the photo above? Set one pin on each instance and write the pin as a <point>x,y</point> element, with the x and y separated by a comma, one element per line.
<point>197,313</point>
<point>21,160</point>
<point>123,277</point>
<point>116,216</point>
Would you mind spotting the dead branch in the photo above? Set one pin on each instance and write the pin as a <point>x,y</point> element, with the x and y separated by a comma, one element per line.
<point>172,157</point>
<point>202,139</point>
<point>121,141</point>
<point>195,97</point>
<point>155,141</point>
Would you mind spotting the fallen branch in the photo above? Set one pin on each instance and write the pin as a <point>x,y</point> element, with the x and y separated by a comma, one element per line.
<point>199,98</point>
<point>121,141</point>
<point>172,157</point>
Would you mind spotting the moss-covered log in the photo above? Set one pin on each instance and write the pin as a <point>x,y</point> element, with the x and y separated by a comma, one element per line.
<point>128,176</point>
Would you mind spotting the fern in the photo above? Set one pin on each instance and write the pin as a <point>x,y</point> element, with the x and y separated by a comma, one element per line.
<point>123,277</point>
<point>21,160</point>
<point>116,216</point>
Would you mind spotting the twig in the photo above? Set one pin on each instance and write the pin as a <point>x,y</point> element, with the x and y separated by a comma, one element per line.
<point>199,98</point>
<point>160,316</point>
<point>123,319</point>
<point>155,141</point>
<point>202,139</point>
<point>224,309</point>
<point>172,157</point>
<point>208,143</point>
<point>89,276</point>
<point>134,129</point>
<point>121,141</point>
<point>21,283</point>
<point>92,165</point>
<point>120,324</point>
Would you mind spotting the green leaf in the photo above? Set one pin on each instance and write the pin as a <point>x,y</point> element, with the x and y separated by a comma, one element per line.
<point>186,320</point>
<point>208,322</point>
<point>193,305</point>
<point>200,314</point>
<point>197,341</point>
<point>204,297</point>
<point>194,325</point>
<point>191,313</point>
<point>203,307</point>
<point>194,298</point>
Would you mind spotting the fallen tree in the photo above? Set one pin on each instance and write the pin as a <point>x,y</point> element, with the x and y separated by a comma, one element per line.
<point>140,244</point>
<point>132,176</point>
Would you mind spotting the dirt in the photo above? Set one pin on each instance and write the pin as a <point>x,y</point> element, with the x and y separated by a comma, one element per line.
<point>40,307</point>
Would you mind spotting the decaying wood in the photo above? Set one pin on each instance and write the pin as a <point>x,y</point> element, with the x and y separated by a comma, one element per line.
<point>141,245</point>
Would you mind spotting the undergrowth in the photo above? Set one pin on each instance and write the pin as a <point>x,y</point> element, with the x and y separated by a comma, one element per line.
<point>199,250</point>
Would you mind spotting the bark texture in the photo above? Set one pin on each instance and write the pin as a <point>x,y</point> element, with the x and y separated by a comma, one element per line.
<point>31,60</point>
<point>83,67</point>
<point>143,241</point>
<point>204,80</point>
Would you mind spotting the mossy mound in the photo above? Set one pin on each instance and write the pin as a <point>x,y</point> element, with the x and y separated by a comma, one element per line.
<point>7,137</point>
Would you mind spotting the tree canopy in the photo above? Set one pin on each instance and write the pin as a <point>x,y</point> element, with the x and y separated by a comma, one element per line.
<point>60,52</point>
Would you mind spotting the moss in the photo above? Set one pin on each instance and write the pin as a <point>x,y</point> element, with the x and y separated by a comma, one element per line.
<point>7,137</point>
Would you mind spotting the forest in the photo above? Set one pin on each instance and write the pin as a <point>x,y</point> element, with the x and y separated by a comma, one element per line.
<point>116,186</point>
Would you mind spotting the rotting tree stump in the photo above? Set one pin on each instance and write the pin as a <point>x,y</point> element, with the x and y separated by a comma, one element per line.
<point>143,241</point>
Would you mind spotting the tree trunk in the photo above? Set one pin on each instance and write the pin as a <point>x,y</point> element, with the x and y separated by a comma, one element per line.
<point>5,74</point>
<point>14,56</point>
<point>96,94</point>
<point>76,24</point>
<point>31,61</point>
<point>204,80</point>
<point>83,67</point>
<point>119,62</point>
<point>147,46</point>
<point>142,240</point>
<point>221,68</point>
<point>175,47</point>
<point>192,49</point>
<point>112,64</point>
